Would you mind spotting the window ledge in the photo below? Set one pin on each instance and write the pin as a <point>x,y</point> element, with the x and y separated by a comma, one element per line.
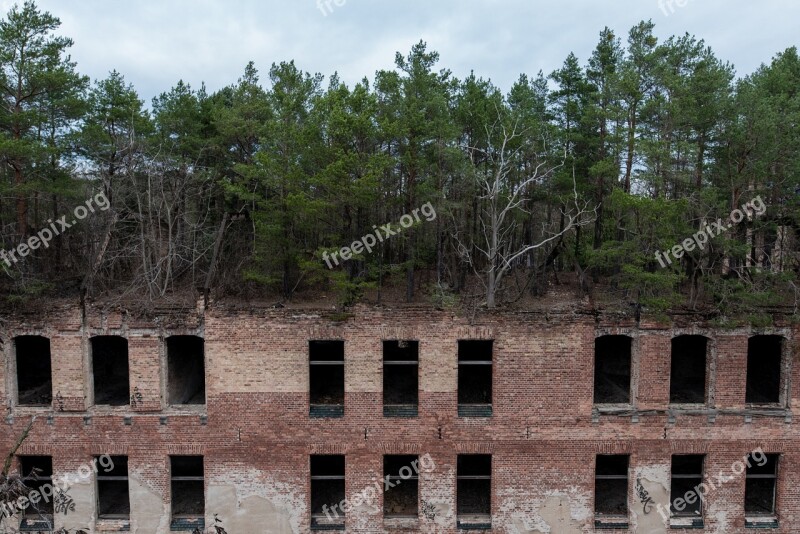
<point>474,522</point>
<point>611,523</point>
<point>686,523</point>
<point>43,523</point>
<point>768,522</point>
<point>475,410</point>
<point>113,525</point>
<point>178,409</point>
<point>401,523</point>
<point>613,409</point>
<point>187,524</point>
<point>400,410</point>
<point>333,411</point>
<point>323,523</point>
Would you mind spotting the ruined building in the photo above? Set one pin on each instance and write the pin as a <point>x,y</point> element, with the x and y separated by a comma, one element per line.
<point>403,419</point>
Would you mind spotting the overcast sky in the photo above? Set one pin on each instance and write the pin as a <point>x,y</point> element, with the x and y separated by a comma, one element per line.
<point>154,43</point>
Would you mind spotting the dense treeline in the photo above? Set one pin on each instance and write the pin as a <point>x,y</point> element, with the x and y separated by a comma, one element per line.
<point>580,175</point>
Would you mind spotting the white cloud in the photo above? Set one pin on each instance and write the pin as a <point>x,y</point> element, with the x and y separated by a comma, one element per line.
<point>155,43</point>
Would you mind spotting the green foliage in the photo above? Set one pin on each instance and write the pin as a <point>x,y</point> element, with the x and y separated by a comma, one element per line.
<point>255,181</point>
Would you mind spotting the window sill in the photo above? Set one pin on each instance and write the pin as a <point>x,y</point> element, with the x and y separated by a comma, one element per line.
<point>768,522</point>
<point>475,410</point>
<point>401,523</point>
<point>43,523</point>
<point>187,524</point>
<point>322,523</point>
<point>474,522</point>
<point>400,410</point>
<point>332,411</point>
<point>613,409</point>
<point>686,523</point>
<point>113,525</point>
<point>611,523</point>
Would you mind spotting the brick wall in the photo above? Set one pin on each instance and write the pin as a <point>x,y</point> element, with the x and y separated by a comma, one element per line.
<point>543,435</point>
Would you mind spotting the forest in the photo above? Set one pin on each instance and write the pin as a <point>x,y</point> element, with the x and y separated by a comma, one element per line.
<point>575,179</point>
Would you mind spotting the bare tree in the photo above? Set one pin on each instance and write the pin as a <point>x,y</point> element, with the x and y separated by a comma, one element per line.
<point>504,194</point>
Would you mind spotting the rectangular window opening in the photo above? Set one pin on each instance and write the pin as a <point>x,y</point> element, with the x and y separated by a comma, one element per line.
<point>760,489</point>
<point>475,378</point>
<point>764,361</point>
<point>400,378</point>
<point>688,370</point>
<point>37,472</point>
<point>110,370</point>
<point>113,498</point>
<point>612,370</point>
<point>187,489</point>
<point>474,491</point>
<point>686,475</point>
<point>326,378</point>
<point>611,491</point>
<point>402,500</point>
<point>34,372</point>
<point>186,374</point>
<point>327,492</point>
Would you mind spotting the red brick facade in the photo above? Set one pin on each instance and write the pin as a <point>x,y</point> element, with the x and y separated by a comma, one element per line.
<point>543,436</point>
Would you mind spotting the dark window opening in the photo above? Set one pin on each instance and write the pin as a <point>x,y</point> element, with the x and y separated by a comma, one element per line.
<point>475,378</point>
<point>113,498</point>
<point>760,485</point>
<point>186,373</point>
<point>327,492</point>
<point>474,490</point>
<point>37,472</point>
<point>688,370</point>
<point>110,370</point>
<point>402,500</point>
<point>612,370</point>
<point>764,369</point>
<point>326,378</point>
<point>400,378</point>
<point>611,490</point>
<point>34,372</point>
<point>188,492</point>
<point>686,476</point>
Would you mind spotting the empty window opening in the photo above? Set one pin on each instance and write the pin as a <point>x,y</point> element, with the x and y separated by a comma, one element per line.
<point>110,370</point>
<point>400,378</point>
<point>611,490</point>
<point>326,378</point>
<point>186,373</point>
<point>327,492</point>
<point>113,498</point>
<point>37,473</point>
<point>760,486</point>
<point>686,476</point>
<point>401,500</point>
<point>475,378</point>
<point>764,369</point>
<point>34,375</point>
<point>188,492</point>
<point>612,370</point>
<point>474,490</point>
<point>688,370</point>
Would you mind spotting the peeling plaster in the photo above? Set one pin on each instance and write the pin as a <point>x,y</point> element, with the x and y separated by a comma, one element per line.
<point>248,500</point>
